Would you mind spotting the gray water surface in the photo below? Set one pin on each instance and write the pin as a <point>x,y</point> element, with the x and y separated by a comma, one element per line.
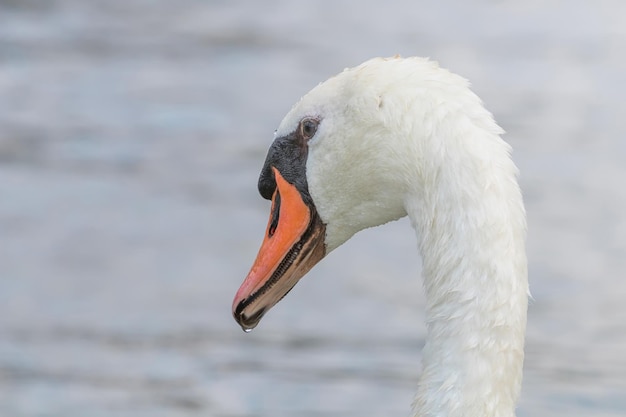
<point>131,137</point>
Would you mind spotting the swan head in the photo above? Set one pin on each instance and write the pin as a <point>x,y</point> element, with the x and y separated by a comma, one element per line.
<point>343,160</point>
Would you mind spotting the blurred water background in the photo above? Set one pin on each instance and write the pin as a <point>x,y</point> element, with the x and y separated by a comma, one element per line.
<point>131,137</point>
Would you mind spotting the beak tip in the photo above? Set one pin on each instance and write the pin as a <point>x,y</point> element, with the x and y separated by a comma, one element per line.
<point>246,322</point>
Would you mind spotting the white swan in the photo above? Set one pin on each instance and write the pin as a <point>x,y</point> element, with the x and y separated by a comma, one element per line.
<point>395,137</point>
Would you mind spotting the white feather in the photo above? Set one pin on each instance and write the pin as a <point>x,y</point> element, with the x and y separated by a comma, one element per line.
<point>404,137</point>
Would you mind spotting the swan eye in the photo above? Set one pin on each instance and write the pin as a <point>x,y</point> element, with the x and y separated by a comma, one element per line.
<point>308,127</point>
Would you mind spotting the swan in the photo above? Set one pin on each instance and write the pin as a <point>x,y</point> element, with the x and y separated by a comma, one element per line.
<point>389,138</point>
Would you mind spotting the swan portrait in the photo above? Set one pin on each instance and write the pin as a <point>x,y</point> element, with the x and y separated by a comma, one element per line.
<point>399,137</point>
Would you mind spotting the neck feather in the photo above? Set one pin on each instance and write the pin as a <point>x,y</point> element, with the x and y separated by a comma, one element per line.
<point>471,235</point>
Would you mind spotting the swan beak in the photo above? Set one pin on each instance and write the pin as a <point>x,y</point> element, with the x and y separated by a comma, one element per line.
<point>293,244</point>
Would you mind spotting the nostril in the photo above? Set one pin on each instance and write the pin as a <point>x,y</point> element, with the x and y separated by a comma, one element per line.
<point>275,215</point>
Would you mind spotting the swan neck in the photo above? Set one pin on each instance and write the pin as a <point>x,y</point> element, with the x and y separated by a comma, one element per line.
<point>472,239</point>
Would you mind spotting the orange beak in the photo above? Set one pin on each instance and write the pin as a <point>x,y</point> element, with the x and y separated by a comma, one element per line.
<point>293,244</point>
